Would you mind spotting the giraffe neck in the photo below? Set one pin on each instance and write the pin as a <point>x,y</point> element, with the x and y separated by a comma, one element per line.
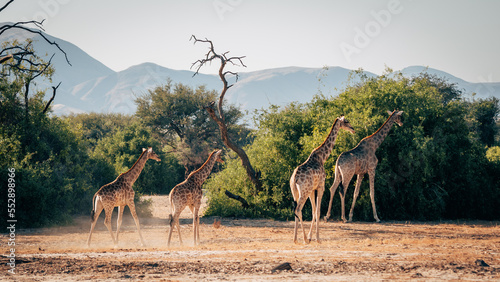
<point>201,174</point>
<point>324,150</point>
<point>133,173</point>
<point>378,137</point>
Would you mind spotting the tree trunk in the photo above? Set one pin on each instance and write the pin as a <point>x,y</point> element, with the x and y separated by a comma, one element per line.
<point>26,99</point>
<point>245,162</point>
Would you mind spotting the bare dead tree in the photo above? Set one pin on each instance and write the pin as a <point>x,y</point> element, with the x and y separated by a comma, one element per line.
<point>218,116</point>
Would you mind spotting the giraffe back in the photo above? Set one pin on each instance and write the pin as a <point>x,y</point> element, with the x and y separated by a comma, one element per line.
<point>186,193</point>
<point>119,192</point>
<point>189,191</point>
<point>307,175</point>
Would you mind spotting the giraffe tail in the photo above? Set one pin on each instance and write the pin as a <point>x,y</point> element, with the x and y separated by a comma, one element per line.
<point>170,220</point>
<point>92,213</point>
<point>294,207</point>
<point>338,174</point>
<point>294,188</point>
<point>341,188</point>
<point>170,217</point>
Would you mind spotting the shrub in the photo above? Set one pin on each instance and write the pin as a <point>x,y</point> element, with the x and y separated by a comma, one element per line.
<point>430,168</point>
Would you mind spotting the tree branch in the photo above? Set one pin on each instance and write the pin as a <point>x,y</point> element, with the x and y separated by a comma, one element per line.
<point>243,202</point>
<point>209,57</point>
<point>54,89</point>
<point>6,4</point>
<point>23,51</point>
<point>26,100</point>
<point>18,25</point>
<point>245,162</point>
<point>212,55</point>
<point>19,56</point>
<point>177,130</point>
<point>6,58</point>
<point>45,66</point>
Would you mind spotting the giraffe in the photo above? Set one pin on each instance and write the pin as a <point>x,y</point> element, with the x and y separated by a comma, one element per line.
<point>359,161</point>
<point>189,193</point>
<point>119,193</point>
<point>310,176</point>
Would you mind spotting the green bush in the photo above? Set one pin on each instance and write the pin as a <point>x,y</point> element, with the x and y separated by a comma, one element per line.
<point>493,155</point>
<point>430,168</point>
<point>123,147</point>
<point>52,180</point>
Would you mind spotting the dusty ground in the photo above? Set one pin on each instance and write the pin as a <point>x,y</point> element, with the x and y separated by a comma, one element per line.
<point>250,249</point>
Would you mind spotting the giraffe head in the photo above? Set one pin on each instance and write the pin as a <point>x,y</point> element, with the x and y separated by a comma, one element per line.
<point>396,116</point>
<point>217,156</point>
<point>345,124</point>
<point>151,154</point>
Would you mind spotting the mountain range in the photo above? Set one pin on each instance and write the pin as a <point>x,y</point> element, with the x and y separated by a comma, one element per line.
<point>90,86</point>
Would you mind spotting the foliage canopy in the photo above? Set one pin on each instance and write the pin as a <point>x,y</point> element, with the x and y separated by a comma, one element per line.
<point>175,112</point>
<point>433,167</point>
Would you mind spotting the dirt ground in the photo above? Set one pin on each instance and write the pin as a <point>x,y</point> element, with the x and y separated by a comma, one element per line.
<point>242,249</point>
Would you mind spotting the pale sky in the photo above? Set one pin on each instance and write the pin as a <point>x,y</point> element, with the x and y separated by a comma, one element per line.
<point>457,36</point>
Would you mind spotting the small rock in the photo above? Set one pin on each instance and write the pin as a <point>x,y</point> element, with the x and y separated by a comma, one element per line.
<point>283,266</point>
<point>481,262</point>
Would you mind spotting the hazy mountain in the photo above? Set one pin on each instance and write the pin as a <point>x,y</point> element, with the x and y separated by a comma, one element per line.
<point>116,92</point>
<point>83,67</point>
<point>280,86</point>
<point>88,85</point>
<point>253,90</point>
<point>482,89</point>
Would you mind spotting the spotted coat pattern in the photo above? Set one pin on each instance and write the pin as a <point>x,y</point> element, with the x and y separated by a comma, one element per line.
<point>119,193</point>
<point>310,177</point>
<point>361,160</point>
<point>189,193</point>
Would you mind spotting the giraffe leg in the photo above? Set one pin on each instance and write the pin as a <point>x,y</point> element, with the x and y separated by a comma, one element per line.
<point>196,226</point>
<point>198,222</point>
<point>372,194</point>
<point>179,229</point>
<point>98,210</point>
<point>295,229</point>
<point>336,182</point>
<point>119,220</point>
<point>198,229</point>
<point>359,179</point>
<point>318,208</point>
<point>131,206</point>
<point>174,222</point>
<point>342,193</point>
<point>171,229</point>
<point>108,211</point>
<point>298,214</point>
<point>313,205</point>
